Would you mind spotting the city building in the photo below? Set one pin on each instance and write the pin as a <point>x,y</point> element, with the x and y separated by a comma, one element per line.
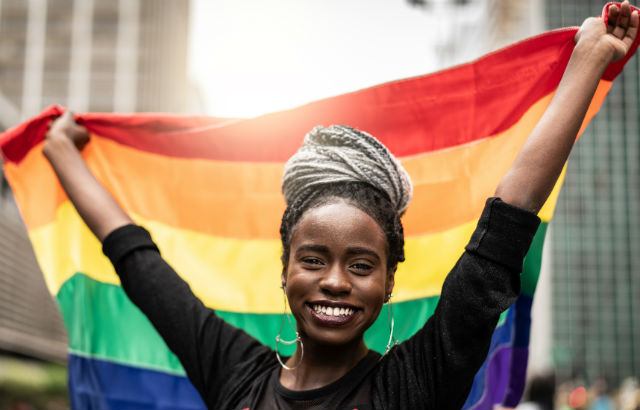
<point>88,55</point>
<point>595,234</point>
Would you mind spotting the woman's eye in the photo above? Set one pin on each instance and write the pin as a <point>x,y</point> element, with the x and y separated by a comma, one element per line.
<point>312,261</point>
<point>361,268</point>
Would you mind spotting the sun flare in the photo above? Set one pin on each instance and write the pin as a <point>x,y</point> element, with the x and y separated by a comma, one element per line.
<point>260,57</point>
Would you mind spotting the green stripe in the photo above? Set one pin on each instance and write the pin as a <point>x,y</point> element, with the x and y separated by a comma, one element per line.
<point>533,262</point>
<point>103,323</point>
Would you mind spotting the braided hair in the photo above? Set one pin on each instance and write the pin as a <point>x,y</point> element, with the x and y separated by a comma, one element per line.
<point>340,162</point>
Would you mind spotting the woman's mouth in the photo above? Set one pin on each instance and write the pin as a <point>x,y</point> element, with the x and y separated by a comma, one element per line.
<point>332,315</point>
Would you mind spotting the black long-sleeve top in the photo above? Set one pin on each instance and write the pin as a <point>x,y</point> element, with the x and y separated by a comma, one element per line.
<point>434,369</point>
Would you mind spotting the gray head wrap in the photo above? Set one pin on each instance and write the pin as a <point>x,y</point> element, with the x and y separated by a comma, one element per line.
<point>343,154</point>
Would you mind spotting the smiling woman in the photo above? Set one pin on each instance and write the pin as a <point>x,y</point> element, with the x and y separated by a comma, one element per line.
<point>337,265</point>
<point>342,241</point>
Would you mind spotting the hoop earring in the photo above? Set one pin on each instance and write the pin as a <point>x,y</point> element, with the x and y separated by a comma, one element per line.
<point>287,342</point>
<point>392,340</point>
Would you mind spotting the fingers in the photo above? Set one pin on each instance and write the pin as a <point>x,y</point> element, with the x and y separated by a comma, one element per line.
<point>68,116</point>
<point>622,23</point>
<point>612,18</point>
<point>632,31</point>
<point>66,125</point>
<point>60,120</point>
<point>52,120</point>
<point>68,119</point>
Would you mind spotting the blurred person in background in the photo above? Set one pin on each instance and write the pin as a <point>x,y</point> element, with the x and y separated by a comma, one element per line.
<point>629,394</point>
<point>600,397</point>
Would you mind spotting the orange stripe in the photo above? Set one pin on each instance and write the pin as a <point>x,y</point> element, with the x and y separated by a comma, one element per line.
<point>243,200</point>
<point>230,199</point>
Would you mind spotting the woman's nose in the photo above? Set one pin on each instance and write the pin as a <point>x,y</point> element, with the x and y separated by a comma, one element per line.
<point>336,281</point>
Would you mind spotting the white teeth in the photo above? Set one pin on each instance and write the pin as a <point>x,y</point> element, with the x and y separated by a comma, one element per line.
<point>332,311</point>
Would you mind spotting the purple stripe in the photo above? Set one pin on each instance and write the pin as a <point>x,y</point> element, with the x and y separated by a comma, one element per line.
<point>502,386</point>
<point>519,359</point>
<point>496,377</point>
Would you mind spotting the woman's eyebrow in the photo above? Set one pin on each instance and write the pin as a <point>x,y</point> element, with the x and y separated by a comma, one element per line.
<point>313,248</point>
<point>357,250</point>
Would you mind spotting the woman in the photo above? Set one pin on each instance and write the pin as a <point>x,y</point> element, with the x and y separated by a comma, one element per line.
<point>342,240</point>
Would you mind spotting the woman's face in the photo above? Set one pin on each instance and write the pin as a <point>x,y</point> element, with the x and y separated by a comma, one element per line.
<point>336,277</point>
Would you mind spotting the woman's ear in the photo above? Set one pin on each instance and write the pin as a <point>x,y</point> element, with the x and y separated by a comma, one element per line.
<point>391,281</point>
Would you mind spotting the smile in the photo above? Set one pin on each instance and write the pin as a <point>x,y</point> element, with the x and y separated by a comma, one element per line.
<point>332,316</point>
<point>332,311</point>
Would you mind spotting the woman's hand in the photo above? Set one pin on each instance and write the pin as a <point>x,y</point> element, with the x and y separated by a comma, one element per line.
<point>65,127</point>
<point>94,203</point>
<point>613,40</point>
<point>539,163</point>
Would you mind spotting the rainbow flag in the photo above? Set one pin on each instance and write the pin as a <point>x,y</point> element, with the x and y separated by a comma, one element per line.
<point>209,192</point>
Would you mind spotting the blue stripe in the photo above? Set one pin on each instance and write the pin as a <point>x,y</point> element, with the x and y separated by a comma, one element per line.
<point>513,332</point>
<point>501,336</point>
<point>99,384</point>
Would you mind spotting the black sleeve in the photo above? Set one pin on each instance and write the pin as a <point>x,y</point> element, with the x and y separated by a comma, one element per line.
<point>206,345</point>
<point>442,358</point>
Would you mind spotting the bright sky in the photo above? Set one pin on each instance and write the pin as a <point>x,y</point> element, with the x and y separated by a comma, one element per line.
<point>250,57</point>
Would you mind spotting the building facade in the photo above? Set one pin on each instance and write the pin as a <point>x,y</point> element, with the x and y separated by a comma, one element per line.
<point>88,55</point>
<point>595,234</point>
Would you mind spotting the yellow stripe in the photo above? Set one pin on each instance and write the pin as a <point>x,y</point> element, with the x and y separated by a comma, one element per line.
<point>546,212</point>
<point>229,274</point>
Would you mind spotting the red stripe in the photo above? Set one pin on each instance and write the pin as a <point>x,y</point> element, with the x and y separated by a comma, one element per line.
<point>16,142</point>
<point>412,116</point>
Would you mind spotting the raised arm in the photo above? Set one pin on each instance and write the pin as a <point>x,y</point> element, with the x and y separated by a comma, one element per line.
<point>94,203</point>
<point>205,344</point>
<point>538,165</point>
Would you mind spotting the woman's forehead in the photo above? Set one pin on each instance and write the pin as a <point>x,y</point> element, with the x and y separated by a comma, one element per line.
<point>338,223</point>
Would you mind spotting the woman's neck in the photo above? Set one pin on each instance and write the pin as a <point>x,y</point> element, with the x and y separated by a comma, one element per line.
<point>321,364</point>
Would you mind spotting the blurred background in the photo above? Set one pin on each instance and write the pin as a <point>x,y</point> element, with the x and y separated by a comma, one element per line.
<point>241,58</point>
